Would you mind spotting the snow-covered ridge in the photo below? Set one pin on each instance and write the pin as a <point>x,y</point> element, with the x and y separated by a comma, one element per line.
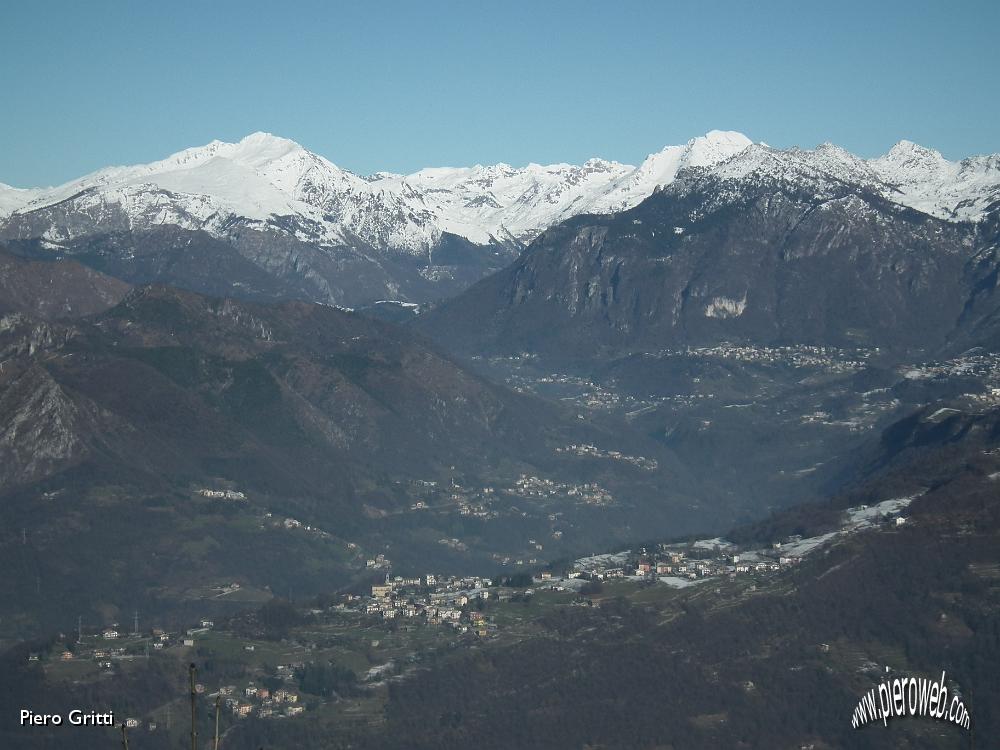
<point>909,175</point>
<point>12,199</point>
<point>272,183</point>
<point>927,181</point>
<point>263,178</point>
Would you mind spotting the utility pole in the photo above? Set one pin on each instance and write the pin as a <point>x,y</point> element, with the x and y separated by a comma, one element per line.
<point>124,737</point>
<point>192,671</point>
<point>135,629</point>
<point>218,700</point>
<point>79,628</point>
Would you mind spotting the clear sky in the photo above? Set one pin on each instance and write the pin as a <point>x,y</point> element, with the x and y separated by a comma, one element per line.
<point>401,85</point>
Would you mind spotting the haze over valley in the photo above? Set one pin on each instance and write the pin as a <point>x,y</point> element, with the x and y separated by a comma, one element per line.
<point>364,386</point>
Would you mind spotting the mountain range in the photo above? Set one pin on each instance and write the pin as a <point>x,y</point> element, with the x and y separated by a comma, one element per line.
<point>276,220</point>
<point>689,343</point>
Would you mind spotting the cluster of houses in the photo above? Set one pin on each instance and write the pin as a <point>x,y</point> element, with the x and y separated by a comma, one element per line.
<point>482,502</point>
<point>985,365</point>
<point>541,488</point>
<point>593,451</point>
<point>470,501</point>
<point>679,564</point>
<point>223,494</point>
<point>294,523</point>
<point>254,700</point>
<point>591,395</point>
<point>670,563</point>
<point>137,644</point>
<point>249,700</point>
<point>476,503</point>
<point>826,357</point>
<point>434,600</point>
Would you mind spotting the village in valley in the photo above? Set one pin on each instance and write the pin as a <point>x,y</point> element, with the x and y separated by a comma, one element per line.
<point>367,637</point>
<point>462,602</point>
<point>526,373</point>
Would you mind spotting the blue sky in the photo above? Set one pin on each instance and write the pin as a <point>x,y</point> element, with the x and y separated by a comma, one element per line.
<point>401,85</point>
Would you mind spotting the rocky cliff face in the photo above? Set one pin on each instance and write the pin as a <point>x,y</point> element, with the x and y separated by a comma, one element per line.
<point>763,248</point>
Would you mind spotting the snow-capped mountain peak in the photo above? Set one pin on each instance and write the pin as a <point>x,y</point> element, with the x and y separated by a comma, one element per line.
<point>262,147</point>
<point>910,162</point>
<point>714,147</point>
<point>922,178</point>
<point>661,168</point>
